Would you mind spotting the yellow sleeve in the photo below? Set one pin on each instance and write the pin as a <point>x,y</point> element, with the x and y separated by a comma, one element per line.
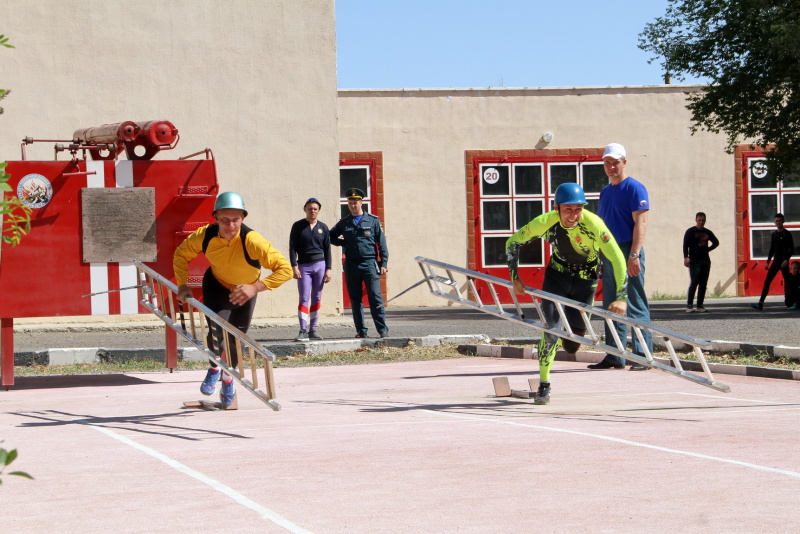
<point>270,258</point>
<point>186,252</point>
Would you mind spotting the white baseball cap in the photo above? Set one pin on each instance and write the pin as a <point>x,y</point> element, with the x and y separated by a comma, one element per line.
<point>614,150</point>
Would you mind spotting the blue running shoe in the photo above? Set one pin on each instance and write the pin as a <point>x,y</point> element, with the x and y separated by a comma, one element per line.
<point>210,383</point>
<point>227,393</point>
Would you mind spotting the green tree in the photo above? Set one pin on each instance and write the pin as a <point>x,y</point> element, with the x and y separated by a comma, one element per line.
<point>750,52</point>
<point>15,215</point>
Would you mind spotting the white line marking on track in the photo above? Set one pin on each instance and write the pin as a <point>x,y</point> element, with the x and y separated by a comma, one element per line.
<point>627,442</point>
<point>214,484</point>
<point>737,399</point>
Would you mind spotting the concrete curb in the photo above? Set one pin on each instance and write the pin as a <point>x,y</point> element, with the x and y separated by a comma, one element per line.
<point>192,354</point>
<point>717,346</point>
<point>506,351</point>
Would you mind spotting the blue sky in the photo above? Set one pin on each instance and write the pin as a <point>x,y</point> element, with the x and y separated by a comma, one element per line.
<point>391,44</point>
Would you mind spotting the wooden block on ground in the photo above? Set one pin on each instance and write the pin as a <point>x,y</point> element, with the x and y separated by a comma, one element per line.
<point>534,384</point>
<point>501,386</point>
<point>234,405</point>
<point>203,405</point>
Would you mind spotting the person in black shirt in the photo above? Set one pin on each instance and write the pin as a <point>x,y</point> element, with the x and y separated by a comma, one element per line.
<point>695,256</point>
<point>793,283</point>
<point>780,250</point>
<point>310,256</point>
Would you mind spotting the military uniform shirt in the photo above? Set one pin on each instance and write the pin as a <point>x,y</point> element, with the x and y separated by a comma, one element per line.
<point>362,242</point>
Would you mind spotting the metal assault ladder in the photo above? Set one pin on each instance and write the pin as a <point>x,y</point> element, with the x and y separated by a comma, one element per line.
<point>159,295</point>
<point>441,279</point>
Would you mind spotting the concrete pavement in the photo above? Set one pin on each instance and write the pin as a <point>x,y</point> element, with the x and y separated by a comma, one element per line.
<point>403,447</point>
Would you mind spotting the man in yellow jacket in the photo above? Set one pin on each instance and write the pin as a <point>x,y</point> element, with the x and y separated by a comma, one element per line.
<point>236,254</point>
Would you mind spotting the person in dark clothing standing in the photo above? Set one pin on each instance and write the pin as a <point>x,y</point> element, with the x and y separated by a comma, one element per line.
<point>695,256</point>
<point>366,260</point>
<point>310,256</point>
<point>793,283</point>
<point>780,250</point>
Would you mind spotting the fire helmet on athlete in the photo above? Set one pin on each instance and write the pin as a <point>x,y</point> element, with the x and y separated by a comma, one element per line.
<point>230,200</point>
<point>570,194</point>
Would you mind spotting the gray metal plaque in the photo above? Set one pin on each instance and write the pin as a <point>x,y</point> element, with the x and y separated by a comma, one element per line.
<point>119,224</point>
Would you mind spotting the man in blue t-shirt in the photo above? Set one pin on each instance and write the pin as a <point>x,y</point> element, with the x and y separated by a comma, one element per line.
<point>624,207</point>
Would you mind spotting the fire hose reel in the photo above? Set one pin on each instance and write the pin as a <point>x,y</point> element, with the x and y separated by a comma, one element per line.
<point>139,140</point>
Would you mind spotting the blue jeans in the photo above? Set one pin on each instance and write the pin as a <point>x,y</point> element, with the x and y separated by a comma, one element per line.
<point>638,308</point>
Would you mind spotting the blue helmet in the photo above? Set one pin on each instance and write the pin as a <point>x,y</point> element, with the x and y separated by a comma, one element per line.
<point>570,194</point>
<point>230,200</point>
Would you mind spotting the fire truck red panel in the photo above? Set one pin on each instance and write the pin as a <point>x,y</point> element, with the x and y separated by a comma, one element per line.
<point>45,275</point>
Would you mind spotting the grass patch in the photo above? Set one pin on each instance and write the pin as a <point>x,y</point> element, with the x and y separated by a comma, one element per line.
<point>105,368</point>
<point>363,356</point>
<point>366,355</point>
<point>657,295</point>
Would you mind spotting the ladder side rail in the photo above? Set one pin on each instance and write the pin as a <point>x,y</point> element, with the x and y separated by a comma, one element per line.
<point>595,310</point>
<point>239,338</point>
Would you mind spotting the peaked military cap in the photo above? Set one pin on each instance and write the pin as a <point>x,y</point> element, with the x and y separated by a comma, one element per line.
<point>355,193</point>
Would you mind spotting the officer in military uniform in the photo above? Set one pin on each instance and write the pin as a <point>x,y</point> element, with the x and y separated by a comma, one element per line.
<point>366,258</point>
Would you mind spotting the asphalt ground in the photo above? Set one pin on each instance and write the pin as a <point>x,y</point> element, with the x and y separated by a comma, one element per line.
<point>406,447</point>
<point>728,319</point>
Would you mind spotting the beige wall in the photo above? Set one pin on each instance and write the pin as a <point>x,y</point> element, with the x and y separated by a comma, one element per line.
<point>424,134</point>
<point>254,80</point>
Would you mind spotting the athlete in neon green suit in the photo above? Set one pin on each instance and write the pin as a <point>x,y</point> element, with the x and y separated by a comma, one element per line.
<point>575,236</point>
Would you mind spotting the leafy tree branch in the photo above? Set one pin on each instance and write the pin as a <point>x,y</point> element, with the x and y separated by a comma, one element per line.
<point>750,50</point>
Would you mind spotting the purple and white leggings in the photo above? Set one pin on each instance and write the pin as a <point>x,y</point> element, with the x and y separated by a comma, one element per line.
<point>312,278</point>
